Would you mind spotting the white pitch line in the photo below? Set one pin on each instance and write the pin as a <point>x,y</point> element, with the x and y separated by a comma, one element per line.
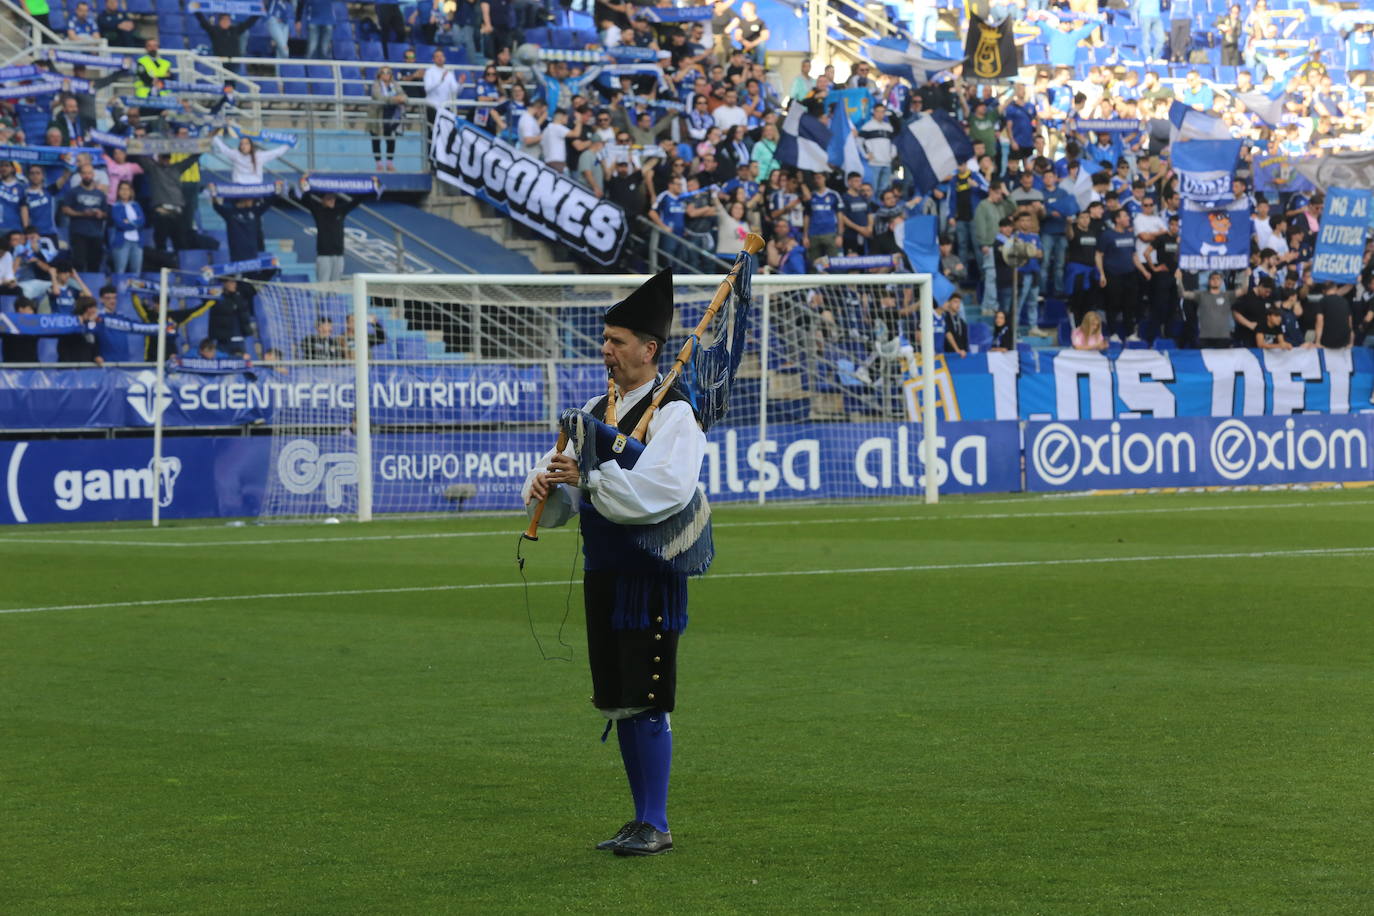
<point>778,574</point>
<point>770,523</point>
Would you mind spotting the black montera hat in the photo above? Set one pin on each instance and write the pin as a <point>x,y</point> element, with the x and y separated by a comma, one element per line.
<point>648,309</point>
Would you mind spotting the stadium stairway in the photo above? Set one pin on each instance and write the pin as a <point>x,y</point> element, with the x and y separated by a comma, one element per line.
<point>475,217</point>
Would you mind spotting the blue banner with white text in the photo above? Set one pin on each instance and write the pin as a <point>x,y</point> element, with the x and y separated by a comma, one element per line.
<point>122,398</point>
<point>1198,452</point>
<point>1078,384</point>
<point>1340,240</point>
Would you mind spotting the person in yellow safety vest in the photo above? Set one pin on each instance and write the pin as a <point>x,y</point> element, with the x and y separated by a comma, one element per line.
<point>38,9</point>
<point>152,70</point>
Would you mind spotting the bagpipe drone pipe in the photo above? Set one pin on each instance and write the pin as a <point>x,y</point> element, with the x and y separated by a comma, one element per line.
<point>681,542</point>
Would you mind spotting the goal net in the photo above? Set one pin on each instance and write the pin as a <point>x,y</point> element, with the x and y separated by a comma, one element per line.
<point>467,376</point>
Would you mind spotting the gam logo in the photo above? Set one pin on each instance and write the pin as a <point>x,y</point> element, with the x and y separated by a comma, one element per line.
<point>76,488</point>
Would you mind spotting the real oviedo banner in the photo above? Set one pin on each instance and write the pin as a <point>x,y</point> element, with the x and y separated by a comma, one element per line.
<point>527,190</point>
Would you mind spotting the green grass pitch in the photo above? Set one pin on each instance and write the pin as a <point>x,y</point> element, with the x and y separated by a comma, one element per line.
<point>1144,704</point>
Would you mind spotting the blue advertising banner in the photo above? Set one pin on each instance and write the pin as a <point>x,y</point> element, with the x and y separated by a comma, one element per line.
<point>1340,240</point>
<point>1197,451</point>
<point>114,398</point>
<point>1074,384</point>
<point>112,480</point>
<point>1214,237</point>
<point>797,461</point>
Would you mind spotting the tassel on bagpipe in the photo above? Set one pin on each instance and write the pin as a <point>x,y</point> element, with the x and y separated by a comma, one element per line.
<point>597,441</point>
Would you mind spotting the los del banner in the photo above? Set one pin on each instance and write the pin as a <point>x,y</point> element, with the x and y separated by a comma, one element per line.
<point>527,190</point>
<point>1340,240</point>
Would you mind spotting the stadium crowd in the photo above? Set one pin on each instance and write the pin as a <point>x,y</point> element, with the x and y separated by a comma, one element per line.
<point>1046,218</point>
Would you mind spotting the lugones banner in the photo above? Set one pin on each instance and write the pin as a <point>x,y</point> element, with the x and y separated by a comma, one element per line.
<point>527,190</point>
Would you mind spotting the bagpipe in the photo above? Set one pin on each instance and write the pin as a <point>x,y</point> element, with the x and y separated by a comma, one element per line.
<point>682,541</point>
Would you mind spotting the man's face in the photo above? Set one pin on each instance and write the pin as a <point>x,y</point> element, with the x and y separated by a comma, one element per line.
<point>438,58</point>
<point>109,301</point>
<point>151,46</point>
<point>35,176</point>
<point>854,183</point>
<point>224,21</point>
<point>69,106</point>
<point>87,175</point>
<point>781,228</point>
<point>1026,179</point>
<point>626,357</point>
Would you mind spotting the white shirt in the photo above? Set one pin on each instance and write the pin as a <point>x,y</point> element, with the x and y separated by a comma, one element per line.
<point>7,267</point>
<point>663,479</point>
<point>728,116</point>
<point>441,86</point>
<point>1081,187</point>
<point>1147,223</point>
<point>529,129</point>
<point>555,146</point>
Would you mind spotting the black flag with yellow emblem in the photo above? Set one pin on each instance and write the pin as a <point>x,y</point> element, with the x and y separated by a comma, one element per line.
<point>990,50</point>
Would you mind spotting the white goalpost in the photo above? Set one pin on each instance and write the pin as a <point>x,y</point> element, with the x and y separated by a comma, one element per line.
<point>466,375</point>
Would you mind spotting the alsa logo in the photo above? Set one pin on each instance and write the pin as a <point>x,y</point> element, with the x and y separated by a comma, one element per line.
<point>73,489</point>
<point>146,397</point>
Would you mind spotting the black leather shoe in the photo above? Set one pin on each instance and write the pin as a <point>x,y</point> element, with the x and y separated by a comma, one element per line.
<point>644,841</point>
<point>621,836</point>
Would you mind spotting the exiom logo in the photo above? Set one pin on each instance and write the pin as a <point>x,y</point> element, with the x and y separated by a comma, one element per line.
<point>1233,451</point>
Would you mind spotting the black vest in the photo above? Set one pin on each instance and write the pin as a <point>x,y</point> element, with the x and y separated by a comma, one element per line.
<point>627,423</point>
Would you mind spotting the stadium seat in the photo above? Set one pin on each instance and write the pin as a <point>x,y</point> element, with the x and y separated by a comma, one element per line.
<point>358,86</point>
<point>398,53</point>
<point>370,49</point>
<point>141,7</point>
<point>1164,343</point>
<point>291,75</point>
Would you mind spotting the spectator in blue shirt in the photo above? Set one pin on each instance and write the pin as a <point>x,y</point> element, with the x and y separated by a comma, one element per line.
<point>1060,207</point>
<point>1119,272</point>
<point>11,199</point>
<point>1019,115</point>
<point>81,27</point>
<point>785,252</point>
<point>822,224</point>
<point>1063,39</point>
<point>856,215</point>
<point>280,14</point>
<point>126,221</point>
<point>1149,20</point>
<point>669,213</point>
<point>86,208</point>
<point>1196,93</point>
<point>1028,306</point>
<point>318,15</point>
<point>38,200</point>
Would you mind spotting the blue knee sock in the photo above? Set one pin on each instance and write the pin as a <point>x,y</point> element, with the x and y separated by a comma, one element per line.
<point>654,747</point>
<point>626,733</point>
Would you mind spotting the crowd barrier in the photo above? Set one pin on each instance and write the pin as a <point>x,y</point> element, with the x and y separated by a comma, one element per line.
<point>225,477</point>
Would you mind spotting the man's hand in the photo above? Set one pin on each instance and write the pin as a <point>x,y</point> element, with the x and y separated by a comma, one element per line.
<point>562,469</point>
